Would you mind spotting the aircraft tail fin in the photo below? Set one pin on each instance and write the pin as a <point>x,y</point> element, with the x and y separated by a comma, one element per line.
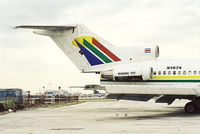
<point>84,48</point>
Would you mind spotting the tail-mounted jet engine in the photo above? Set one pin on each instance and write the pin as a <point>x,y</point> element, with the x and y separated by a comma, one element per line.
<point>133,74</point>
<point>139,53</point>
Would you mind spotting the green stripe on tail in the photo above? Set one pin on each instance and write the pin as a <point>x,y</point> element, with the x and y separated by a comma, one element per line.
<point>96,51</point>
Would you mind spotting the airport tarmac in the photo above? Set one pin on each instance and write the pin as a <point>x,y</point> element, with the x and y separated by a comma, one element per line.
<point>118,117</point>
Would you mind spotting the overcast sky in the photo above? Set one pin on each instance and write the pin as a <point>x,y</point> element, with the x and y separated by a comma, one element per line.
<point>30,61</point>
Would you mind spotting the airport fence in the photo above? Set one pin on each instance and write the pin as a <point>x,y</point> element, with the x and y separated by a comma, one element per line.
<point>37,100</point>
<point>13,99</point>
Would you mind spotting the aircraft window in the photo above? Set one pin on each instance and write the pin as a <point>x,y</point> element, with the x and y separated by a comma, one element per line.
<point>174,72</point>
<point>195,72</point>
<point>189,72</point>
<point>164,72</point>
<point>159,72</point>
<point>179,72</point>
<point>169,72</point>
<point>184,72</point>
<point>154,73</point>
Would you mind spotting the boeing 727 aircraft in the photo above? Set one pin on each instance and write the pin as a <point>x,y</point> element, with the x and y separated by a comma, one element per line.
<point>130,73</point>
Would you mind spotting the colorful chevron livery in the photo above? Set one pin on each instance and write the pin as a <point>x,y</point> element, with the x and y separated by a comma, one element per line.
<point>94,51</point>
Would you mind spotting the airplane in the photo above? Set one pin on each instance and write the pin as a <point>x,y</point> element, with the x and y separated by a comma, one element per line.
<point>129,73</point>
<point>95,88</point>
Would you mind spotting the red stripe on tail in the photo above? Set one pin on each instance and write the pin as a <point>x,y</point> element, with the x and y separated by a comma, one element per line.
<point>105,50</point>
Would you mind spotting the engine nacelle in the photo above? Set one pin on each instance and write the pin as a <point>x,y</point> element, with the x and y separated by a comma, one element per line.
<point>133,74</point>
<point>142,53</point>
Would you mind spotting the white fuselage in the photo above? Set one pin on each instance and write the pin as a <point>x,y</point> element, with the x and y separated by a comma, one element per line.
<point>181,77</point>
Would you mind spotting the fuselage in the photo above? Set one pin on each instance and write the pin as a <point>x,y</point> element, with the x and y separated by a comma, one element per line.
<point>173,72</point>
<point>170,77</point>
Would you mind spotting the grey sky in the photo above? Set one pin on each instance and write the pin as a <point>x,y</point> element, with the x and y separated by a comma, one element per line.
<point>30,61</point>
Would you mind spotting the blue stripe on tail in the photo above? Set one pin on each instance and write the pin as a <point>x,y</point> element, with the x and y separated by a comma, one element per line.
<point>92,59</point>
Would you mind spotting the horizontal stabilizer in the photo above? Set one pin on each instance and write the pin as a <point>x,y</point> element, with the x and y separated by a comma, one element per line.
<point>51,28</point>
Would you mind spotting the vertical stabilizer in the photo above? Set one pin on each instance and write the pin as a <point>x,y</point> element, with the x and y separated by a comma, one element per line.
<point>84,48</point>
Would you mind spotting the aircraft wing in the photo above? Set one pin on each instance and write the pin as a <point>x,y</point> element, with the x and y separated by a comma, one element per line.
<point>154,89</point>
<point>163,93</point>
<point>45,27</point>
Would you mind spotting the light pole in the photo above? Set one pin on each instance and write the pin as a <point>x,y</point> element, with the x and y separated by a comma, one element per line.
<point>59,93</point>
